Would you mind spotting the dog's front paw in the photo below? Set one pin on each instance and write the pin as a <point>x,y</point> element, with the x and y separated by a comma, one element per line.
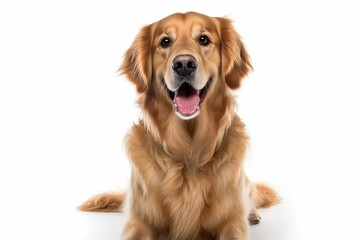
<point>254,218</point>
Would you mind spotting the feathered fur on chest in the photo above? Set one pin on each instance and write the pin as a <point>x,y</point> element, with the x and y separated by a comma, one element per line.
<point>184,197</point>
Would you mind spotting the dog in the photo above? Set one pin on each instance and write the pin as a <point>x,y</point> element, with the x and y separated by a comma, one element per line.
<point>187,152</point>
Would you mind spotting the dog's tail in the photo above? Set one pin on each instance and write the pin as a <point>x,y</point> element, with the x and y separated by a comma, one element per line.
<point>264,196</point>
<point>105,202</point>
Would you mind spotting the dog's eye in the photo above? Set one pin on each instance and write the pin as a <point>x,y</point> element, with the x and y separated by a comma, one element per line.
<point>165,42</point>
<point>204,40</point>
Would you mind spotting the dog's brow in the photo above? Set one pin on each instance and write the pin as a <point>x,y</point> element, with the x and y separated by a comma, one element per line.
<point>198,30</point>
<point>170,31</point>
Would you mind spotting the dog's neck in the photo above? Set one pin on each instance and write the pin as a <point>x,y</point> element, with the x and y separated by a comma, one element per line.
<point>192,142</point>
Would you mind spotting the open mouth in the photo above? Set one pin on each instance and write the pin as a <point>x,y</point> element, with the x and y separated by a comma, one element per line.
<point>187,99</point>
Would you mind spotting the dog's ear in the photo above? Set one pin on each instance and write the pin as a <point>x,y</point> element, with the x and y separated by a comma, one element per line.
<point>137,60</point>
<point>235,61</point>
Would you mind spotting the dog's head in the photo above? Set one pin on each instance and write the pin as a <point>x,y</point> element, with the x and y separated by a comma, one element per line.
<point>183,60</point>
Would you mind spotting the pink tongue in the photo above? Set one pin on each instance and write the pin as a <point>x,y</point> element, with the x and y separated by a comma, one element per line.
<point>187,105</point>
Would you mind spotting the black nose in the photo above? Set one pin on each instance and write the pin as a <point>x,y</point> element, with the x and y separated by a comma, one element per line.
<point>184,65</point>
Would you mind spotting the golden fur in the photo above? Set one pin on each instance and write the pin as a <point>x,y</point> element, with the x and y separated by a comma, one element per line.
<point>188,179</point>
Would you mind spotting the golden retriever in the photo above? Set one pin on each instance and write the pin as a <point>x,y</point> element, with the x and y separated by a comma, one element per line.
<point>187,153</point>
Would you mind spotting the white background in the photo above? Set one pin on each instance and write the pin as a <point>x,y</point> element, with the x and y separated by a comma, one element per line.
<point>64,112</point>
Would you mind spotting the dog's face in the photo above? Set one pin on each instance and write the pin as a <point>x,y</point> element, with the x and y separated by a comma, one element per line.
<point>187,60</point>
<point>184,59</point>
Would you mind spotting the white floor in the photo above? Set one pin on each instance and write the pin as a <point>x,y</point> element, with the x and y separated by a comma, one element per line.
<point>66,224</point>
<point>277,224</point>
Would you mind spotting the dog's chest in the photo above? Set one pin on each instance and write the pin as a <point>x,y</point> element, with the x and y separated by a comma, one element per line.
<point>188,197</point>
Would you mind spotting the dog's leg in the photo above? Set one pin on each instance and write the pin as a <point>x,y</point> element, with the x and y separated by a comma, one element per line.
<point>136,229</point>
<point>235,229</point>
